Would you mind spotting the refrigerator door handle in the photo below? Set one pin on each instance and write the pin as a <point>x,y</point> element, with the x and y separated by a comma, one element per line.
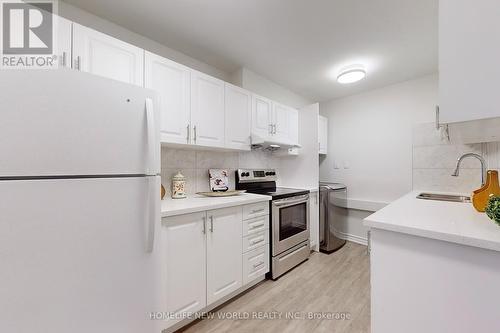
<point>153,155</point>
<point>153,212</point>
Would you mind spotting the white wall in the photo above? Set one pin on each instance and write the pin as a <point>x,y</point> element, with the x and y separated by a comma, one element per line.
<point>85,18</point>
<point>370,138</point>
<point>267,88</point>
<point>302,171</point>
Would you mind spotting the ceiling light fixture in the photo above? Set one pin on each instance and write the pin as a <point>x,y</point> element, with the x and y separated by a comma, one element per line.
<point>351,74</point>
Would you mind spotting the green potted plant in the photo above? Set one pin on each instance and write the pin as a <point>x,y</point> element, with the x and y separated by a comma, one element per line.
<point>493,208</point>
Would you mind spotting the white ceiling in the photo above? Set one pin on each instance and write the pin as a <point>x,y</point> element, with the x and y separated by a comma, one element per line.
<point>299,44</point>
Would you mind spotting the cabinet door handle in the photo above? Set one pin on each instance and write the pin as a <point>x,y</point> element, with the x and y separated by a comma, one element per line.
<point>255,211</point>
<point>188,133</point>
<point>211,224</point>
<point>274,126</point>
<point>255,242</point>
<point>255,266</point>
<point>204,230</point>
<point>255,226</point>
<point>78,61</point>
<point>194,133</point>
<point>63,60</point>
<point>270,128</point>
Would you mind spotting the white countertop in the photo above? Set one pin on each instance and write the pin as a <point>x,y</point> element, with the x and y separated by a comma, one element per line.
<point>448,221</point>
<point>197,203</point>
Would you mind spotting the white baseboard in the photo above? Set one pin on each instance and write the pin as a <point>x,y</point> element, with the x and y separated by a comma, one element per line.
<point>352,238</point>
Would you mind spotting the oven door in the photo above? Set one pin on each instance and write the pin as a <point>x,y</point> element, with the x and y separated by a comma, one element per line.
<point>290,222</point>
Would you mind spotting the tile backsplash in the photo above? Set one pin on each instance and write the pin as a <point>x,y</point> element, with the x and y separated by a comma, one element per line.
<point>194,164</point>
<point>434,160</point>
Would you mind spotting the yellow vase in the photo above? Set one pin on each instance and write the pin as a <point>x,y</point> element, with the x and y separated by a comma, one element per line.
<point>481,196</point>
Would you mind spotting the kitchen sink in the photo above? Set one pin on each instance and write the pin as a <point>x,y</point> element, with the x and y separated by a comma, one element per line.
<point>444,197</point>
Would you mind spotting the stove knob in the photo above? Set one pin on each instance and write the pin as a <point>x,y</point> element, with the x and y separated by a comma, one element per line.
<point>268,173</point>
<point>247,174</point>
<point>242,174</point>
<point>273,173</point>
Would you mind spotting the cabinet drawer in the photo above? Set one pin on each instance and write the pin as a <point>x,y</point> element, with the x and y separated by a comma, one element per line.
<point>255,225</point>
<point>255,264</point>
<point>255,210</point>
<point>255,240</point>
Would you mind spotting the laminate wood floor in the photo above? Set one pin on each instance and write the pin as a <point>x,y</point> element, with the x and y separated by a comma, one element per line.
<point>325,284</point>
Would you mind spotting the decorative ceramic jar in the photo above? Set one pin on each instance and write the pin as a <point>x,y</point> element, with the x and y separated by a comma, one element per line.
<point>162,192</point>
<point>178,186</point>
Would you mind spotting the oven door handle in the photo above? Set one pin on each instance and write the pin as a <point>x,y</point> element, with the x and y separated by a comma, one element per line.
<point>291,201</point>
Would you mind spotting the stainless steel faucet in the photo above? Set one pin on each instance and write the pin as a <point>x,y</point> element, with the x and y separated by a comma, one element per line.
<point>483,166</point>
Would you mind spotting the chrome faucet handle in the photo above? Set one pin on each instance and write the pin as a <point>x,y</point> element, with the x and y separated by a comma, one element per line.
<point>456,173</point>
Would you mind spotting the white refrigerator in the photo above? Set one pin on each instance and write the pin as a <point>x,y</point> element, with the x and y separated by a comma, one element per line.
<point>79,204</point>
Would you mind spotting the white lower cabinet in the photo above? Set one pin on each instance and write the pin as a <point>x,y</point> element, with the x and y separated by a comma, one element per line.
<point>224,262</point>
<point>212,254</point>
<point>184,243</point>
<point>255,264</point>
<point>255,241</point>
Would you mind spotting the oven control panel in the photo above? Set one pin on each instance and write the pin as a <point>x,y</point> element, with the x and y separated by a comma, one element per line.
<point>256,175</point>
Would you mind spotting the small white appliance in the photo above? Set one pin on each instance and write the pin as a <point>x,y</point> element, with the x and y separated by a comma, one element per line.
<point>79,204</point>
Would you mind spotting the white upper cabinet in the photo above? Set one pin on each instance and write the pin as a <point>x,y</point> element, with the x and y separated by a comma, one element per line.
<point>172,81</point>
<point>469,49</point>
<point>281,122</point>
<point>262,110</point>
<point>323,134</point>
<point>274,121</point>
<point>63,47</point>
<point>224,249</point>
<point>207,110</point>
<point>238,113</point>
<point>196,109</point>
<point>103,55</point>
<point>184,270</point>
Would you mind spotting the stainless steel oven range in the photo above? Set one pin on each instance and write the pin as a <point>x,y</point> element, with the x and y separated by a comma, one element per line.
<point>289,214</point>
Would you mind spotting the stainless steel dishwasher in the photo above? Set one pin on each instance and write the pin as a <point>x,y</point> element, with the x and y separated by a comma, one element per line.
<point>332,215</point>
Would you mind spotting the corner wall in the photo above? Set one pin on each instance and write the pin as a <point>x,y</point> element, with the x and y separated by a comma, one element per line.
<point>370,138</point>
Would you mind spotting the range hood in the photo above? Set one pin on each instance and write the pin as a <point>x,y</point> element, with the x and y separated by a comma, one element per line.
<point>272,144</point>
